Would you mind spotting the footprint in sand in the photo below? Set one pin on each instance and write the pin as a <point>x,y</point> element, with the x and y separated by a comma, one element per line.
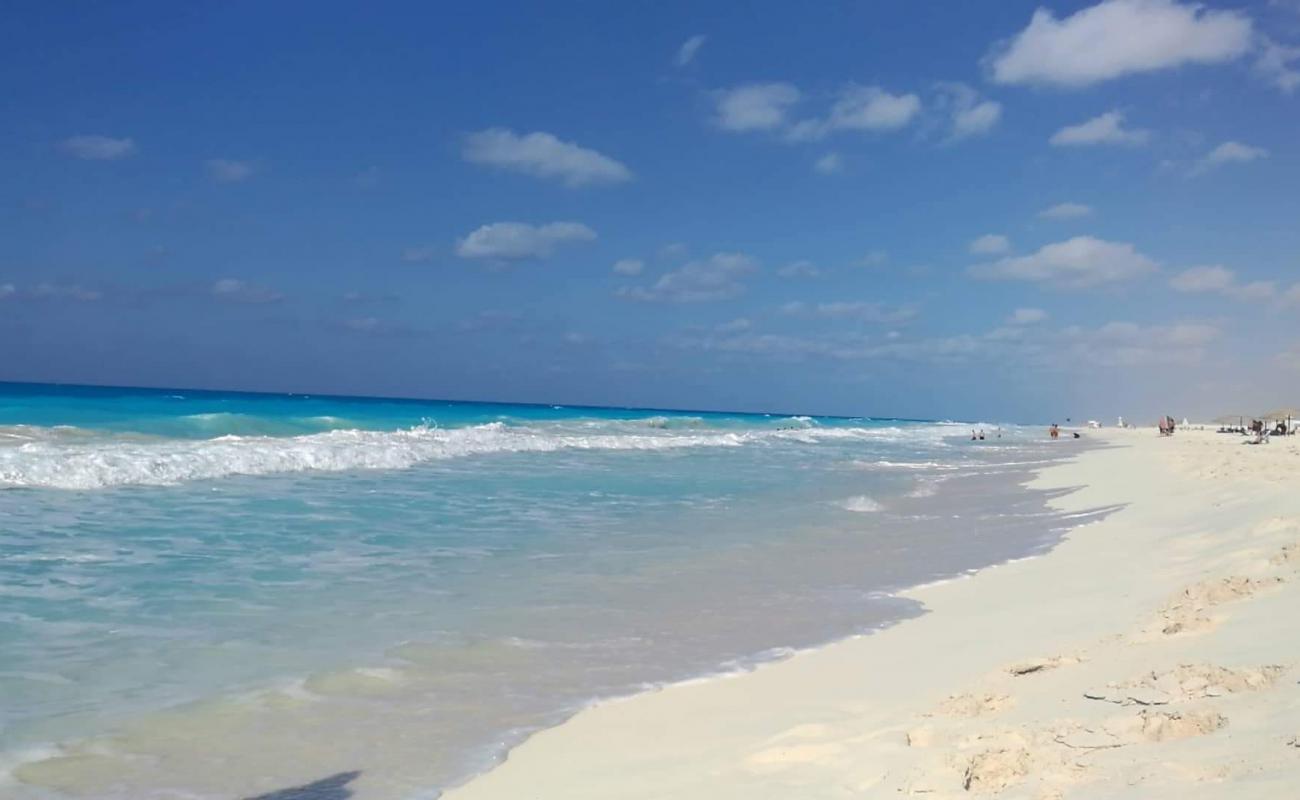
<point>1188,612</point>
<point>1041,665</point>
<point>1289,555</point>
<point>1150,725</point>
<point>1187,682</point>
<point>974,705</point>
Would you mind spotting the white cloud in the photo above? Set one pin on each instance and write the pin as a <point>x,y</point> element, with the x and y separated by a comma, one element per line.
<point>1220,280</point>
<point>1274,63</point>
<point>232,290</point>
<point>861,108</point>
<point>1203,279</point>
<point>990,244</point>
<point>1291,298</point>
<point>1119,37</point>
<point>510,241</point>
<point>755,106</point>
<point>60,291</point>
<point>542,155</point>
<point>734,326</point>
<point>1080,262</point>
<point>1027,316</point>
<point>1105,129</point>
<point>628,266</point>
<point>1128,344</point>
<point>1066,211</point>
<point>1228,153</point>
<point>7,290</point>
<point>970,115</point>
<point>873,259</point>
<point>799,269</point>
<point>419,254</point>
<point>829,164</point>
<point>686,53</point>
<point>843,309</point>
<point>98,148</point>
<point>715,278</point>
<point>224,170</point>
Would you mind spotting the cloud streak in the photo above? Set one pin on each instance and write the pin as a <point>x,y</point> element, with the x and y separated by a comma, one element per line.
<point>518,241</point>
<point>1107,128</point>
<point>719,277</point>
<point>542,155</point>
<point>93,147</point>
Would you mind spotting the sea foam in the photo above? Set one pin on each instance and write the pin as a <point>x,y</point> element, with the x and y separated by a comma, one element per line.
<point>79,459</point>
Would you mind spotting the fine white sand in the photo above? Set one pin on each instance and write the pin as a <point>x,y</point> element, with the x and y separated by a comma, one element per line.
<point>1152,654</point>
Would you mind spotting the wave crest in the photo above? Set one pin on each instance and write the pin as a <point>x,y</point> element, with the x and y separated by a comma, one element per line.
<point>80,459</point>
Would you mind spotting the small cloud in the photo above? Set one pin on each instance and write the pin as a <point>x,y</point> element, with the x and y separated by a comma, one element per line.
<point>1066,211</point>
<point>1228,153</point>
<point>98,148</point>
<point>1077,263</point>
<point>872,259</point>
<point>674,250</point>
<point>7,290</point>
<point>1107,128</point>
<point>799,269</point>
<point>970,114</point>
<point>715,278</point>
<point>365,298</point>
<point>990,244</point>
<point>513,241</point>
<point>1220,280</point>
<point>59,291</point>
<point>224,170</point>
<point>829,164</point>
<point>755,106</point>
<point>687,52</point>
<point>575,338</point>
<point>419,254</point>
<point>542,155</point>
<point>1119,37</point>
<point>363,324</point>
<point>1274,64</point>
<point>232,290</point>
<point>858,310</point>
<point>1027,316</point>
<point>734,326</point>
<point>628,266</point>
<point>860,108</point>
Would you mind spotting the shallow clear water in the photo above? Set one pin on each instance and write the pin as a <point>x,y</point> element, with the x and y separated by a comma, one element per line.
<point>218,595</point>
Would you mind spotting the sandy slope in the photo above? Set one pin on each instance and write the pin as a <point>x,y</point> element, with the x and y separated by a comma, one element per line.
<point>1153,654</point>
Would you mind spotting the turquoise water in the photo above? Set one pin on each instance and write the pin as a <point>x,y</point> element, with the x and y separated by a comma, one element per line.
<point>217,595</point>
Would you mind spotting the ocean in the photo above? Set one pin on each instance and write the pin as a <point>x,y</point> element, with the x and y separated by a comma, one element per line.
<point>229,595</point>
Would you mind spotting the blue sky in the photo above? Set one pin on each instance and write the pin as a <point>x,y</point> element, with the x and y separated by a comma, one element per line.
<point>960,209</point>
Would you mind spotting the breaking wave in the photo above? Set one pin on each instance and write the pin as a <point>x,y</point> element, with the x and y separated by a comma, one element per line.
<point>74,458</point>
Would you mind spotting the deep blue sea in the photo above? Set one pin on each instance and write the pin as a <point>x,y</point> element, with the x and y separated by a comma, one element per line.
<point>223,595</point>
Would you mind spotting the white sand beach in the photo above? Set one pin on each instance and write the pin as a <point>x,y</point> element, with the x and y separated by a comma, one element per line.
<point>1152,654</point>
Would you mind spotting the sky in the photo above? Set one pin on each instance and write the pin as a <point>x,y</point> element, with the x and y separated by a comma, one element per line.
<point>1003,210</point>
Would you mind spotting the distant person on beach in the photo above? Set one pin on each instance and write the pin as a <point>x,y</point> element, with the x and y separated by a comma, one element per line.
<point>1054,431</point>
<point>981,434</point>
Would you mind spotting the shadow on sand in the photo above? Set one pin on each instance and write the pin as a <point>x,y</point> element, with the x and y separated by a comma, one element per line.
<point>335,787</point>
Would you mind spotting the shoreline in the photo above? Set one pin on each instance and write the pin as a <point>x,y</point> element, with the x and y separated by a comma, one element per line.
<point>986,693</point>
